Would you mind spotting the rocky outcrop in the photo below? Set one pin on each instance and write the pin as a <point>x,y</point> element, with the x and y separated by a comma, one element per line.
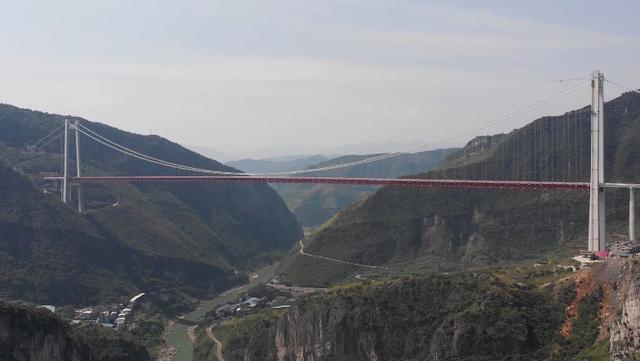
<point>625,330</point>
<point>439,227</point>
<point>462,317</point>
<point>468,317</point>
<point>30,334</point>
<point>37,335</point>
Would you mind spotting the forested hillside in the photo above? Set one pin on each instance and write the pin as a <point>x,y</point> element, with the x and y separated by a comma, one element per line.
<point>446,229</point>
<point>131,238</point>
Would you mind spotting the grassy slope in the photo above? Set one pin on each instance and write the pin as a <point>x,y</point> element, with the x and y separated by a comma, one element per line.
<point>254,333</point>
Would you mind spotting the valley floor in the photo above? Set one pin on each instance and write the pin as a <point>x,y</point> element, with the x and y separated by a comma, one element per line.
<point>179,339</point>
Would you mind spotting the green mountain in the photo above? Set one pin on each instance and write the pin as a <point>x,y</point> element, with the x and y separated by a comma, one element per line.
<point>133,237</point>
<point>314,204</point>
<point>446,228</point>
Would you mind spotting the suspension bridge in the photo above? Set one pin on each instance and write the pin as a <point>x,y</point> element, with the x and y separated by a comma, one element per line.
<point>548,154</point>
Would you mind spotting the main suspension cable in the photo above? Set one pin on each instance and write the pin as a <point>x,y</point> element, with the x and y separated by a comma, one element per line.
<point>125,150</point>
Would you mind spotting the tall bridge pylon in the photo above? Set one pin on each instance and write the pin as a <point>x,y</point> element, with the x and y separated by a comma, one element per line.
<point>597,221</point>
<point>64,192</point>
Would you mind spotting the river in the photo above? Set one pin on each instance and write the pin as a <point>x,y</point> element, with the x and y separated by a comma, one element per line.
<point>179,337</point>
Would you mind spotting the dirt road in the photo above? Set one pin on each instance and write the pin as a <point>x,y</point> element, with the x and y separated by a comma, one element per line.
<point>302,252</point>
<point>215,340</point>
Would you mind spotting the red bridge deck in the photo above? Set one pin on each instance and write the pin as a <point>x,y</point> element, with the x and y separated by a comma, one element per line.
<point>395,182</point>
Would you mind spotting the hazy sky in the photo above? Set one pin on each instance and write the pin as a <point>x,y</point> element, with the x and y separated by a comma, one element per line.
<point>295,76</point>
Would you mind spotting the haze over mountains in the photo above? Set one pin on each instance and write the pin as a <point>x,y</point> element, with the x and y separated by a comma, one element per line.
<point>275,165</point>
<point>314,204</point>
<point>286,153</point>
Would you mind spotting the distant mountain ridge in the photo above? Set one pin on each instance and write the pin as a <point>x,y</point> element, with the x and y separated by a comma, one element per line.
<point>315,204</point>
<point>280,164</point>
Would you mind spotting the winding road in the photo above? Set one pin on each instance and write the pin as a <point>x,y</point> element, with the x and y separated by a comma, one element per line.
<point>215,340</point>
<point>302,252</point>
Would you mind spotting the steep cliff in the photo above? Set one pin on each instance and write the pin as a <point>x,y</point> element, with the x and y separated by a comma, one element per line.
<point>482,316</point>
<point>434,318</point>
<point>37,335</point>
<point>33,334</point>
<point>512,313</point>
<point>625,330</point>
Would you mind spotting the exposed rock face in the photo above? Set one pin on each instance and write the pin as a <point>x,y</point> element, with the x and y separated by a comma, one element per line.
<point>450,227</point>
<point>28,334</point>
<point>472,317</point>
<point>461,317</point>
<point>625,331</point>
<point>37,335</point>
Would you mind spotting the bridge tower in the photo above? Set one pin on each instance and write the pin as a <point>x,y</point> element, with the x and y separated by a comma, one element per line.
<point>78,185</point>
<point>65,166</point>
<point>597,241</point>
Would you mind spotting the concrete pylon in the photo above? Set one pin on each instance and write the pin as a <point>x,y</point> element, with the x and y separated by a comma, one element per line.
<point>597,241</point>
<point>78,159</point>
<point>65,166</point>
